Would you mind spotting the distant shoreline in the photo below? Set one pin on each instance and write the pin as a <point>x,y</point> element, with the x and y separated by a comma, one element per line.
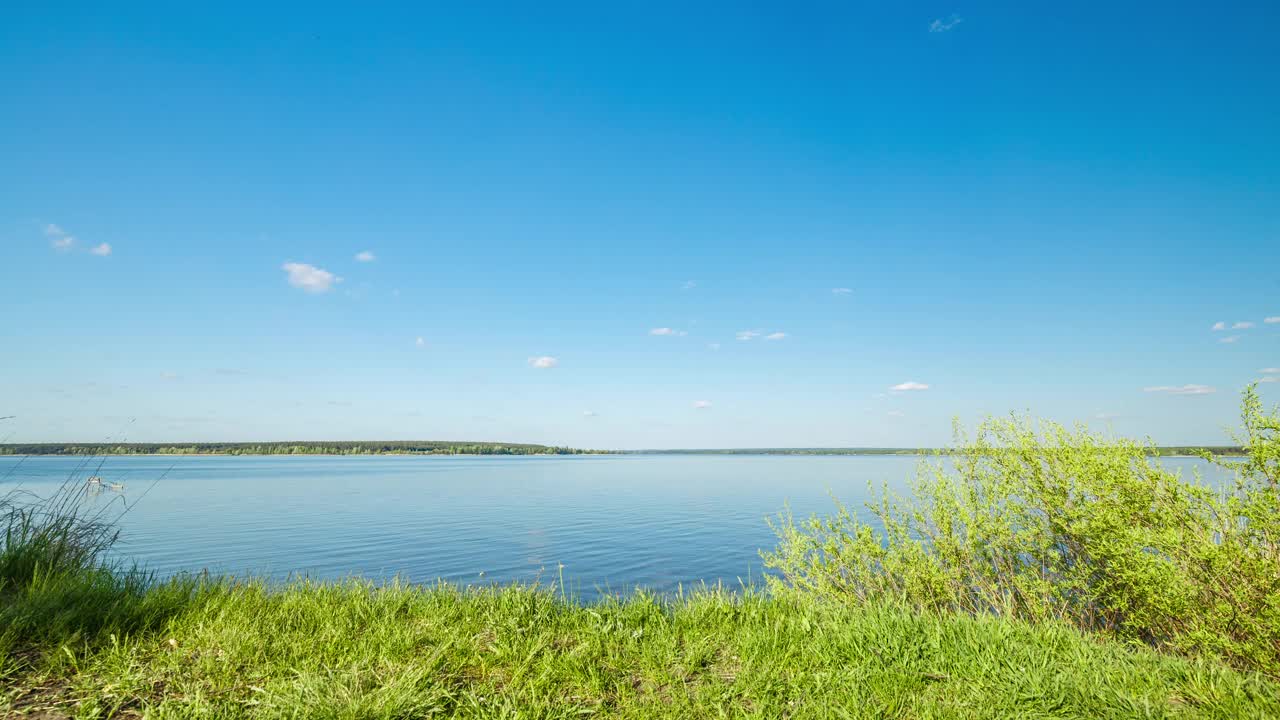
<point>295,447</point>
<point>442,449</point>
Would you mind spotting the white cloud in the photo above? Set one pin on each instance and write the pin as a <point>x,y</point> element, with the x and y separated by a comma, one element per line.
<point>543,362</point>
<point>668,331</point>
<point>420,342</point>
<point>1269,379</point>
<point>101,250</point>
<point>588,413</point>
<point>230,372</point>
<point>1272,320</point>
<point>713,346</point>
<point>1181,389</point>
<point>688,285</point>
<point>701,404</point>
<point>897,413</point>
<point>1229,339</point>
<point>909,386</point>
<point>1269,371</point>
<point>941,26</point>
<point>58,237</point>
<point>841,291</point>
<point>1218,326</point>
<point>365,256</point>
<point>1242,325</point>
<point>168,375</point>
<point>753,334</point>
<point>309,277</point>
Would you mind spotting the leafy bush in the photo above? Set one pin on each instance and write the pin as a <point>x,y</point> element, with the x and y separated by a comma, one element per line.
<point>1039,522</point>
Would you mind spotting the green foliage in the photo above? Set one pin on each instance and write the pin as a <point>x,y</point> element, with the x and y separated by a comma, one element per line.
<point>1060,528</point>
<point>1044,523</point>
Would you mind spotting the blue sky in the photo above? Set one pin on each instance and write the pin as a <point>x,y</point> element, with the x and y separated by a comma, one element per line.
<point>1021,208</point>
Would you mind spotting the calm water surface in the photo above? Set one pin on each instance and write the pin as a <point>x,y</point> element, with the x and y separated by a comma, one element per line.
<point>615,522</point>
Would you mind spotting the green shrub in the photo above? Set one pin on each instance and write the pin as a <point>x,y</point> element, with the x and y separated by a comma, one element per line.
<point>1039,522</point>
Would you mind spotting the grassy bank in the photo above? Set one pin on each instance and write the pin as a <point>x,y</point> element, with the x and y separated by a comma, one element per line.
<point>111,648</point>
<point>1040,572</point>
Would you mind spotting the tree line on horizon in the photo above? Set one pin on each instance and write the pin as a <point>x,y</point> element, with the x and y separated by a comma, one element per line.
<point>412,447</point>
<point>373,447</point>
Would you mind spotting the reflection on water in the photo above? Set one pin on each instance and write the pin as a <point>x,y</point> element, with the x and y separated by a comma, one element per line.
<point>615,522</point>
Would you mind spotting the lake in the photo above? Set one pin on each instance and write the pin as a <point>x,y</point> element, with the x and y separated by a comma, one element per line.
<point>614,522</point>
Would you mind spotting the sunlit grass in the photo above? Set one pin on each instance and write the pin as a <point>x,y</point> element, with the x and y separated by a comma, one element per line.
<point>192,648</point>
<point>1061,578</point>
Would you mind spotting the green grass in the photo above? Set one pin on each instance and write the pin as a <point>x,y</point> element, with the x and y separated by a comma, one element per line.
<point>1049,574</point>
<point>108,647</point>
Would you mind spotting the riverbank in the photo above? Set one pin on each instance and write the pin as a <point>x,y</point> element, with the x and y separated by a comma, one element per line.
<point>1042,571</point>
<point>105,645</point>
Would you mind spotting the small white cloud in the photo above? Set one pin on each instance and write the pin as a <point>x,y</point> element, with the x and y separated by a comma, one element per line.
<point>940,25</point>
<point>897,413</point>
<point>230,372</point>
<point>909,386</point>
<point>662,331</point>
<point>1269,379</point>
<point>167,375</point>
<point>701,404</point>
<point>841,291</point>
<point>58,237</point>
<point>101,249</point>
<point>309,277</point>
<point>775,336</point>
<point>588,413</point>
<point>365,256</point>
<point>688,285</point>
<point>1218,326</point>
<point>748,335</point>
<point>1181,389</point>
<point>1272,320</point>
<point>543,362</point>
<point>420,342</point>
<point>1229,339</point>
<point>1269,371</point>
<point>713,346</point>
<point>1242,325</point>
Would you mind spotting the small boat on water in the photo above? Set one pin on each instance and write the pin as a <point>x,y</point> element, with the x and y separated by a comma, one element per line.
<point>116,486</point>
<point>94,481</point>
